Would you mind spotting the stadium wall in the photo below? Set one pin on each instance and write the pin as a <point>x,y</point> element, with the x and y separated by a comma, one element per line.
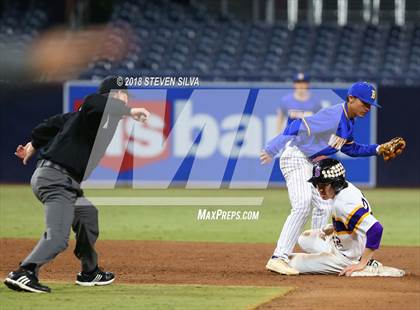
<point>24,106</point>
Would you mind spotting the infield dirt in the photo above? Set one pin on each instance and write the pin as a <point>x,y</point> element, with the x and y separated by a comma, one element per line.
<point>161,262</point>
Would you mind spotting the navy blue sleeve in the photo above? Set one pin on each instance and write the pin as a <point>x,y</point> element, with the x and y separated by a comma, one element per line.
<point>276,144</point>
<point>374,236</point>
<point>355,149</point>
<point>325,122</point>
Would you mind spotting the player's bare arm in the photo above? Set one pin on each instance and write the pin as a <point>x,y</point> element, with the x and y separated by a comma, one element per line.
<point>366,257</point>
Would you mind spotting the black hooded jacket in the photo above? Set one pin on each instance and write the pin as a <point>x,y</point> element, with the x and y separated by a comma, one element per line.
<point>68,139</point>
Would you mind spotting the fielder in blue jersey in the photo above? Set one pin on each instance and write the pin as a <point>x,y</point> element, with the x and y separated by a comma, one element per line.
<point>300,103</point>
<point>304,141</point>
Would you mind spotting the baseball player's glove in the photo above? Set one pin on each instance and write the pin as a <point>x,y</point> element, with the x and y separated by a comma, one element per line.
<point>392,148</point>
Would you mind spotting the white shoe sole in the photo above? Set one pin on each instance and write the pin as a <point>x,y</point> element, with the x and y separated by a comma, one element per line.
<point>272,267</point>
<point>101,283</point>
<point>21,286</point>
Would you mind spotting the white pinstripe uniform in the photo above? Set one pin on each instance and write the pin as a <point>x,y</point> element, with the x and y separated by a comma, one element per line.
<point>296,169</point>
<point>323,134</point>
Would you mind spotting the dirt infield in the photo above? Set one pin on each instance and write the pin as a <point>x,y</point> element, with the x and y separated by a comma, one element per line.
<point>235,264</point>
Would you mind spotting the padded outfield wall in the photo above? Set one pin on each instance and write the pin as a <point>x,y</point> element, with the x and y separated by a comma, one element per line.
<point>24,106</point>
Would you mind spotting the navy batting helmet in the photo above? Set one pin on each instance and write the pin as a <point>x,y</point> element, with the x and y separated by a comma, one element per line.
<point>327,171</point>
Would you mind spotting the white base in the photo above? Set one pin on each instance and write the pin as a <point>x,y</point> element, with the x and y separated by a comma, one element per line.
<point>379,271</point>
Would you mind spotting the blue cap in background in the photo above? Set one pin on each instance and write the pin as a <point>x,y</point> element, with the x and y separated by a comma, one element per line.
<point>365,92</point>
<point>301,77</point>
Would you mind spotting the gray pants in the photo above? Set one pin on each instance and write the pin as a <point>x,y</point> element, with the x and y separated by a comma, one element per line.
<point>59,192</point>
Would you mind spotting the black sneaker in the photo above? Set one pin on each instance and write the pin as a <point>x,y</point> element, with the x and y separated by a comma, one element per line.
<point>97,277</point>
<point>373,263</point>
<point>25,280</point>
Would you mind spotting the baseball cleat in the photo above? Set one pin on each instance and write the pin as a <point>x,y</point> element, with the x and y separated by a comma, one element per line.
<point>97,277</point>
<point>25,280</point>
<point>280,266</point>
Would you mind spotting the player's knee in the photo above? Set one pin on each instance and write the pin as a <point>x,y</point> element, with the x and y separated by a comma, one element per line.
<point>93,212</point>
<point>305,240</point>
<point>62,245</point>
<point>58,241</point>
<point>59,245</point>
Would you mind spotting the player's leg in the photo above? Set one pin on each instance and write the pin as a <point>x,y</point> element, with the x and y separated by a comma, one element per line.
<point>314,241</point>
<point>321,256</point>
<point>86,228</point>
<point>53,189</point>
<point>321,210</point>
<point>296,170</point>
<point>318,263</point>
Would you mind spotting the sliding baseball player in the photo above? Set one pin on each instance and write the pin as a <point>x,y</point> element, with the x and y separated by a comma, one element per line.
<point>347,246</point>
<point>304,142</point>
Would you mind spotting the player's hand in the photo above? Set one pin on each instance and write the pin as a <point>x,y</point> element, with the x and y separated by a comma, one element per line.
<point>140,114</point>
<point>328,229</point>
<point>265,158</point>
<point>25,152</point>
<point>352,268</point>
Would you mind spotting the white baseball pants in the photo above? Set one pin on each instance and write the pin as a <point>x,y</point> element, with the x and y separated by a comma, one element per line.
<point>297,170</point>
<point>321,257</point>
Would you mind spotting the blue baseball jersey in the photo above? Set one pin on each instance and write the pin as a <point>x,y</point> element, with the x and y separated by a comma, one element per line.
<point>296,109</point>
<point>324,133</point>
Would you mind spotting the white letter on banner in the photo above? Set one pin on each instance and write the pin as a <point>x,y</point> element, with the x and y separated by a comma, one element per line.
<point>222,105</point>
<point>235,143</point>
<point>151,136</point>
<point>184,127</point>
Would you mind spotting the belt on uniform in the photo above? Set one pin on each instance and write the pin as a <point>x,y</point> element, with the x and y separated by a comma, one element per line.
<point>47,163</point>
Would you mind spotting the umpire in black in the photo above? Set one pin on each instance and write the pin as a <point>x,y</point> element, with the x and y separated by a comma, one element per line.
<point>65,143</point>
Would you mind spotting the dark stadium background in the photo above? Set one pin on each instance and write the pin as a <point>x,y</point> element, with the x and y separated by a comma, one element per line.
<point>246,40</point>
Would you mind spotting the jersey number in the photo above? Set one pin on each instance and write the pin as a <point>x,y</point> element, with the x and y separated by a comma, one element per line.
<point>366,204</point>
<point>337,242</point>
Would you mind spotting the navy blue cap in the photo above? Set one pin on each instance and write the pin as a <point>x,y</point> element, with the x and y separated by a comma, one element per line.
<point>365,92</point>
<point>301,77</point>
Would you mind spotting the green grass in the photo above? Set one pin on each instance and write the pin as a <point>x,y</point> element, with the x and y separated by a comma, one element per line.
<point>21,216</point>
<point>186,297</point>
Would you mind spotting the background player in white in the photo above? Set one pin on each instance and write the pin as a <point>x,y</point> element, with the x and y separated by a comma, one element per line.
<point>297,104</point>
<point>305,141</point>
<point>347,246</point>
